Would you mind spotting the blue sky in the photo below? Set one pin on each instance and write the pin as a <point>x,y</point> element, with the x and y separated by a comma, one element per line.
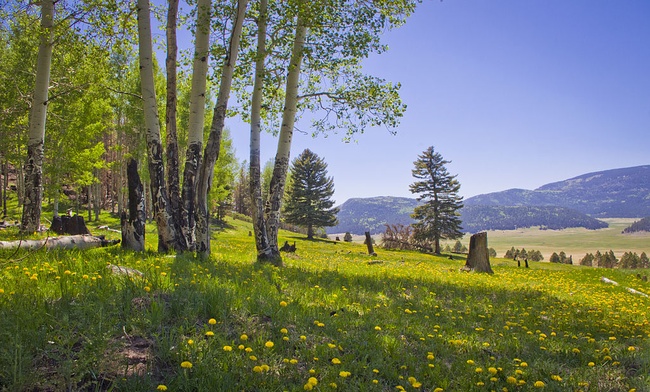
<point>515,93</point>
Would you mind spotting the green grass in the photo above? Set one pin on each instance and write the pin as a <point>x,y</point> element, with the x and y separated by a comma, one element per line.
<point>398,320</point>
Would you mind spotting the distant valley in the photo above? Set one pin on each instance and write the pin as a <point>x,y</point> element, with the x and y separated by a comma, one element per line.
<point>576,202</point>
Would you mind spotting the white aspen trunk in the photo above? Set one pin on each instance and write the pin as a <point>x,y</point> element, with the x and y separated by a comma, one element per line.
<point>173,182</point>
<point>80,242</point>
<point>278,181</point>
<point>211,152</point>
<point>160,203</point>
<point>196,120</point>
<point>55,205</point>
<point>33,196</point>
<point>255,183</point>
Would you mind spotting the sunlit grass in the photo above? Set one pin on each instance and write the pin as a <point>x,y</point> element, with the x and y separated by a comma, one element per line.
<point>333,318</point>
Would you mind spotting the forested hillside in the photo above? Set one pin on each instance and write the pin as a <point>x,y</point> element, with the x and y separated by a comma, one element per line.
<point>359,215</point>
<point>476,218</point>
<point>640,225</point>
<point>616,193</point>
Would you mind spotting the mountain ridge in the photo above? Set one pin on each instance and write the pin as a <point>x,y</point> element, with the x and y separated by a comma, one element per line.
<point>575,202</point>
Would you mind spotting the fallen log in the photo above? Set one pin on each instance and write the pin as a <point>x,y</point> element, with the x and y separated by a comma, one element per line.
<point>80,242</point>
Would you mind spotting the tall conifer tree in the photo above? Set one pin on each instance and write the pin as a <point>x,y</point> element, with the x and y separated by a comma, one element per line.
<point>309,202</point>
<point>438,218</point>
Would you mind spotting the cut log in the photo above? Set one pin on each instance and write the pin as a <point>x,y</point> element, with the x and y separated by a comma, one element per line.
<point>478,259</point>
<point>133,225</point>
<point>80,242</point>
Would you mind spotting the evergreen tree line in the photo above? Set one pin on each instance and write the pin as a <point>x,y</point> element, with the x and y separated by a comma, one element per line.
<point>523,254</point>
<point>629,260</point>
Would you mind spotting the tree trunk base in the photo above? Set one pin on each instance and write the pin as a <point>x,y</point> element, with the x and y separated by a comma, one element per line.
<point>478,259</point>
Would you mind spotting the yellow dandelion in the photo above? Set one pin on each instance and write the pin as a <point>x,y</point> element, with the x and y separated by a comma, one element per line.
<point>308,387</point>
<point>283,303</point>
<point>438,390</point>
<point>333,385</point>
<point>470,362</point>
<point>284,330</point>
<point>511,380</point>
<point>161,387</point>
<point>478,370</point>
<point>248,350</point>
<point>265,367</point>
<point>555,377</point>
<point>575,350</point>
<point>269,344</point>
<point>312,381</point>
<point>253,358</point>
<point>539,384</point>
<point>227,348</point>
<point>344,374</point>
<point>190,342</point>
<point>492,370</point>
<point>377,328</point>
<point>523,364</point>
<point>243,337</point>
<point>591,364</point>
<point>631,348</point>
<point>212,321</point>
<point>257,369</point>
<point>186,365</point>
<point>336,361</point>
<point>209,334</point>
<point>293,361</point>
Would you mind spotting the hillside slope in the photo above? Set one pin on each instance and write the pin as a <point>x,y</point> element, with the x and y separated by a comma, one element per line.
<point>616,193</point>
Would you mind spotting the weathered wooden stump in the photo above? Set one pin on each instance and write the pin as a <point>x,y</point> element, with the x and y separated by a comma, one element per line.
<point>368,243</point>
<point>72,225</point>
<point>478,259</point>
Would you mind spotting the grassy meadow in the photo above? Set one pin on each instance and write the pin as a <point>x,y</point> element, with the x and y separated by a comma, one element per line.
<point>333,318</point>
<point>573,241</point>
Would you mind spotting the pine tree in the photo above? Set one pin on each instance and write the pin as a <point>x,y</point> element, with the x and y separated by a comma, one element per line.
<point>438,217</point>
<point>309,202</point>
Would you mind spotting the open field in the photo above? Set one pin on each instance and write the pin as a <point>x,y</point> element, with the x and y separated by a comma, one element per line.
<point>333,318</point>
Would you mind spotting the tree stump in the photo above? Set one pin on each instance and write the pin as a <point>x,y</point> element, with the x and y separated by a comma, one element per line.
<point>133,225</point>
<point>73,225</point>
<point>479,258</point>
<point>368,243</point>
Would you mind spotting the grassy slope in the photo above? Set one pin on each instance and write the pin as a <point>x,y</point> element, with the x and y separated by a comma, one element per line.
<point>397,320</point>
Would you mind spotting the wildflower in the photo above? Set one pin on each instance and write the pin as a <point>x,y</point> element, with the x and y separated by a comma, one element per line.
<point>227,348</point>
<point>331,345</point>
<point>333,385</point>
<point>243,337</point>
<point>284,330</point>
<point>438,390</point>
<point>470,362</point>
<point>209,334</point>
<point>631,348</point>
<point>480,384</point>
<point>253,358</point>
<point>283,304</point>
<point>523,364</point>
<point>344,374</point>
<point>303,337</point>
<point>248,350</point>
<point>478,370</point>
<point>293,361</point>
<point>161,387</point>
<point>190,342</point>
<point>555,377</point>
<point>539,384</point>
<point>336,361</point>
<point>313,380</point>
<point>257,369</point>
<point>511,380</point>
<point>430,357</point>
<point>147,289</point>
<point>269,344</point>
<point>377,328</point>
<point>308,387</point>
<point>575,350</point>
<point>591,364</point>
<point>265,367</point>
<point>85,276</point>
<point>67,272</point>
<point>212,321</point>
<point>492,370</point>
<point>375,381</point>
<point>2,291</point>
<point>186,365</point>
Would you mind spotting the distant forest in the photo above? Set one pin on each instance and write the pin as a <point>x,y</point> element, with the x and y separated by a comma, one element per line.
<point>641,225</point>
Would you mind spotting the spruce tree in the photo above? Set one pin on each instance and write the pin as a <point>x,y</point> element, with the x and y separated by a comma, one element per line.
<point>438,217</point>
<point>308,200</point>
